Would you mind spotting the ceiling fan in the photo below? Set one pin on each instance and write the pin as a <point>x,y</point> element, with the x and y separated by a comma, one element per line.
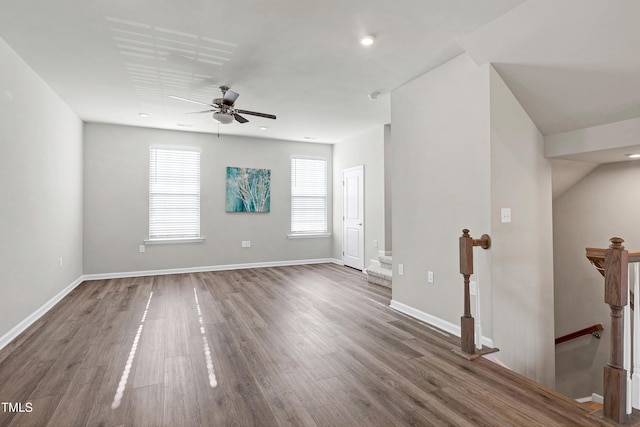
<point>223,109</point>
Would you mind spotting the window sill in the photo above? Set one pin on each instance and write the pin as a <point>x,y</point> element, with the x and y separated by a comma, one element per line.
<point>169,241</point>
<point>307,235</point>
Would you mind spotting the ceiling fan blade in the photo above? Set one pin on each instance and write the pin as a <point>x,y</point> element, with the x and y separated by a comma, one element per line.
<point>202,112</point>
<point>239,118</point>
<point>191,100</point>
<point>253,113</point>
<point>229,97</point>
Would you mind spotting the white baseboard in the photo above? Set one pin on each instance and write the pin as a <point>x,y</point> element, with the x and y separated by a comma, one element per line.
<point>125,274</point>
<point>433,320</point>
<point>593,398</point>
<point>33,317</point>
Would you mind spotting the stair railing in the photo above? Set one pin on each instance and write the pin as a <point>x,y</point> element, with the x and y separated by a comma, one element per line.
<point>621,390</point>
<point>593,330</point>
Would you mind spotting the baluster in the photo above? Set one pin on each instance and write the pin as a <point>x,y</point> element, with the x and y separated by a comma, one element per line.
<point>478,317</point>
<point>627,354</point>
<point>635,378</point>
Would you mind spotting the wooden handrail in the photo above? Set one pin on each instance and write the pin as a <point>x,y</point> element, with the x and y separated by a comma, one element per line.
<point>593,330</point>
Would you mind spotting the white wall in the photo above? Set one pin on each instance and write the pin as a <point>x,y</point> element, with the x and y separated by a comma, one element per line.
<point>604,204</point>
<point>40,192</point>
<point>522,250</point>
<point>366,149</point>
<point>441,184</point>
<point>116,202</point>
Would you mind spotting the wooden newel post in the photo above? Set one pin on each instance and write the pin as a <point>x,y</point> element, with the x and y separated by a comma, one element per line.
<point>616,294</point>
<point>467,322</point>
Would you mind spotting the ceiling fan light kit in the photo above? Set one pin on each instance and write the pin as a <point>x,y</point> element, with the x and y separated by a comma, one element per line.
<point>223,109</point>
<point>222,118</point>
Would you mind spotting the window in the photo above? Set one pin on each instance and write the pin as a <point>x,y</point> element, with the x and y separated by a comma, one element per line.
<point>308,196</point>
<point>174,194</point>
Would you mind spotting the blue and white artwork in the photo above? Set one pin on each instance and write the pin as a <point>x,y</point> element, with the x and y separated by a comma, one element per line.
<point>248,190</point>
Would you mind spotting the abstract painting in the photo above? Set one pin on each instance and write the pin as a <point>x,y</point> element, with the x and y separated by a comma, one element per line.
<point>248,190</point>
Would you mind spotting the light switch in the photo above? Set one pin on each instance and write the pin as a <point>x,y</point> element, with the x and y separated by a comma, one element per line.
<point>246,243</point>
<point>401,269</point>
<point>505,215</point>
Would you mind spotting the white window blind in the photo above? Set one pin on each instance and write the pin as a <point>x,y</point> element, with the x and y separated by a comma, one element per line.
<point>174,193</point>
<point>308,196</point>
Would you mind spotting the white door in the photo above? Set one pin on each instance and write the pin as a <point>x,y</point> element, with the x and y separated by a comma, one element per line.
<point>353,217</point>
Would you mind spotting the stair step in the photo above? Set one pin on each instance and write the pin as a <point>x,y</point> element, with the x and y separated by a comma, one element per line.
<point>379,276</point>
<point>591,407</point>
<point>385,261</point>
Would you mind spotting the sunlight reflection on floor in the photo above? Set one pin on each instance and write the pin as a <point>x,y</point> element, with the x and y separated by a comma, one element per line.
<point>117,399</point>
<point>213,382</point>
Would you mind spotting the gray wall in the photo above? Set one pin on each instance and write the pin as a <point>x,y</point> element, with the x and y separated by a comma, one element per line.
<point>365,149</point>
<point>522,250</point>
<point>40,192</point>
<point>441,184</point>
<point>604,204</point>
<point>116,162</point>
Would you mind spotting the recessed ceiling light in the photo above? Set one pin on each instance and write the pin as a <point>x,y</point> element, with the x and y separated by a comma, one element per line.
<point>263,128</point>
<point>633,156</point>
<point>367,40</point>
<point>143,115</point>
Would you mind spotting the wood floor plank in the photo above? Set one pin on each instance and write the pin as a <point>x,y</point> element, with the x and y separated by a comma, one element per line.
<point>179,393</point>
<point>151,354</point>
<point>57,379</point>
<point>147,408</point>
<point>307,389</point>
<point>18,387</point>
<point>42,410</point>
<point>74,407</point>
<point>329,416</point>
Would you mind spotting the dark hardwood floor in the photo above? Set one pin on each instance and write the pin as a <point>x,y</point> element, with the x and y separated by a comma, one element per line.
<point>304,345</point>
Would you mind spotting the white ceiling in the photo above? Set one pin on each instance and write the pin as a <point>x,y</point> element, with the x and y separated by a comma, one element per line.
<point>572,64</point>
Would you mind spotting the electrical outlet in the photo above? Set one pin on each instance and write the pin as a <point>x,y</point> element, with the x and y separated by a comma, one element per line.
<point>246,243</point>
<point>473,287</point>
<point>60,262</point>
<point>141,248</point>
<point>401,269</point>
<point>430,276</point>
